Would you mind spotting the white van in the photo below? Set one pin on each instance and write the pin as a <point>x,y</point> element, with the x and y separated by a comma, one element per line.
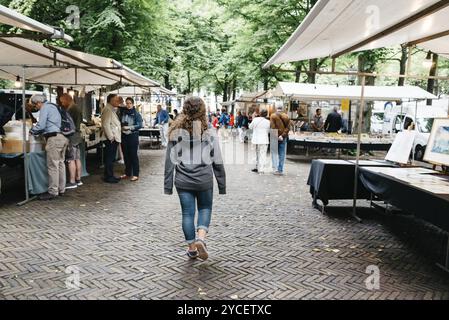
<point>399,118</point>
<point>377,121</point>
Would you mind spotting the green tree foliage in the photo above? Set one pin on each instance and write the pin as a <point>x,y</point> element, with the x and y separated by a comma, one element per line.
<point>218,46</point>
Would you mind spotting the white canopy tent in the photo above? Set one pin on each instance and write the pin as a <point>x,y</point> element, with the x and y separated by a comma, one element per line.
<point>130,91</point>
<point>305,91</point>
<point>254,96</point>
<point>51,65</point>
<point>35,62</point>
<point>15,19</point>
<point>333,28</point>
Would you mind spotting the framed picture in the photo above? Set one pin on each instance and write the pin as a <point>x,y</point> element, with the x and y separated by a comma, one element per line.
<point>402,147</point>
<point>437,151</point>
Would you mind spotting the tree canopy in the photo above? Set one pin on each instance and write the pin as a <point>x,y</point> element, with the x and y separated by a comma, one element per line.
<point>218,46</point>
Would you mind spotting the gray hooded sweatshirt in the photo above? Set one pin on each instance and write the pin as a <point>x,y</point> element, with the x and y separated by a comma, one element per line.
<point>196,161</point>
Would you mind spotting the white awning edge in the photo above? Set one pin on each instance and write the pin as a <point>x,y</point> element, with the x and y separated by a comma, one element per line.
<point>15,19</point>
<point>312,92</point>
<point>302,27</point>
<point>334,27</point>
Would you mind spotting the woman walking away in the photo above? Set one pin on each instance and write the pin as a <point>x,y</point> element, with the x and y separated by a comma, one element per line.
<point>131,122</point>
<point>194,152</point>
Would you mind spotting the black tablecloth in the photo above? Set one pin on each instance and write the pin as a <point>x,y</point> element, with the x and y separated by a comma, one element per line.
<point>334,180</point>
<point>422,204</point>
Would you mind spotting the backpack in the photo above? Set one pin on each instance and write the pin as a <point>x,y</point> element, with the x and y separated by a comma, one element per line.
<point>67,124</point>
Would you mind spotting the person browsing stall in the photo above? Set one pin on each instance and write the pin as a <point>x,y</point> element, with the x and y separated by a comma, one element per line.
<point>73,154</point>
<point>49,125</point>
<point>162,119</point>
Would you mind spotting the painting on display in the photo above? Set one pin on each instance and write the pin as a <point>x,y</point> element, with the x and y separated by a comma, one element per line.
<point>402,147</point>
<point>437,151</point>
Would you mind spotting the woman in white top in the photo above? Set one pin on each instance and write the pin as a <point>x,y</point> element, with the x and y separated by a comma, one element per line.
<point>261,129</point>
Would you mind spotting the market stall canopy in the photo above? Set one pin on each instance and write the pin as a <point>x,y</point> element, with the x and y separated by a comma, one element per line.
<point>254,96</point>
<point>334,28</point>
<point>303,91</point>
<point>15,19</point>
<point>51,65</point>
<point>131,91</point>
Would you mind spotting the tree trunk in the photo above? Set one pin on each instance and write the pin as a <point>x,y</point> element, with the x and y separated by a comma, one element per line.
<point>266,84</point>
<point>189,83</point>
<point>403,65</point>
<point>298,73</point>
<point>433,73</point>
<point>234,89</point>
<point>168,68</point>
<point>313,66</point>
<point>225,89</point>
<point>369,81</point>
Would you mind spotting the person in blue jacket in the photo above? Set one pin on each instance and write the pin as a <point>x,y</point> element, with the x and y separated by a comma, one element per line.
<point>162,119</point>
<point>131,122</point>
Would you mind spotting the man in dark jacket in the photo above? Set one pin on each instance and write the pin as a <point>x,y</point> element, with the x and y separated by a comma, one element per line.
<point>6,113</point>
<point>334,122</point>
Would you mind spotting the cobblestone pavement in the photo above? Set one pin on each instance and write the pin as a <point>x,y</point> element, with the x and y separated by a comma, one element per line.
<point>266,242</point>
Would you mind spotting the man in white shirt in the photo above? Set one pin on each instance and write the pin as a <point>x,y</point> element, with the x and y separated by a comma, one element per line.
<point>261,129</point>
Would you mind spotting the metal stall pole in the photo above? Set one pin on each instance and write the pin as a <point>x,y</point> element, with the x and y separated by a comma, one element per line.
<point>359,141</point>
<point>24,143</point>
<point>415,128</point>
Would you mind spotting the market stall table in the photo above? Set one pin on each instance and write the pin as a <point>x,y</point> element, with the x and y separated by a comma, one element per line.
<point>334,180</point>
<point>37,169</point>
<point>421,192</point>
<point>153,134</point>
<point>342,142</point>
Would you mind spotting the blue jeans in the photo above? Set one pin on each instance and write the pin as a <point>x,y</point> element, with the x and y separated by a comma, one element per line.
<point>204,200</point>
<point>278,156</point>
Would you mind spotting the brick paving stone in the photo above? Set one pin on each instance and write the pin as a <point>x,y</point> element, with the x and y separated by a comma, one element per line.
<point>266,242</point>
